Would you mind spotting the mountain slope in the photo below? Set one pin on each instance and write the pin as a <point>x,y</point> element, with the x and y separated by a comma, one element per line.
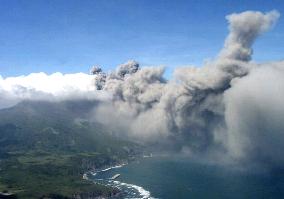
<point>43,143</point>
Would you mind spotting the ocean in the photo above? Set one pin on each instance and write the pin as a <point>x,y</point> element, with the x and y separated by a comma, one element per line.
<point>181,178</point>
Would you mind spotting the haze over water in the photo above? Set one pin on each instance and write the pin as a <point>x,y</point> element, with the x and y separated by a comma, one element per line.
<point>168,178</point>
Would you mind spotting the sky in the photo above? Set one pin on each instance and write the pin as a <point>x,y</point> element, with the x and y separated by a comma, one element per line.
<point>71,36</point>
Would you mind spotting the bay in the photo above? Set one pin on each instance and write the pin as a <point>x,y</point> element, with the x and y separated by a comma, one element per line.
<point>182,178</point>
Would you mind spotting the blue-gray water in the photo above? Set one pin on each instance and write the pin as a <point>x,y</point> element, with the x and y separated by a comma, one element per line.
<point>180,178</point>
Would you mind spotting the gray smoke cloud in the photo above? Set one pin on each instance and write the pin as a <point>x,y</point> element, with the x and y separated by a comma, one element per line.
<point>255,113</point>
<point>244,28</point>
<point>230,108</point>
<point>205,109</point>
<point>100,77</point>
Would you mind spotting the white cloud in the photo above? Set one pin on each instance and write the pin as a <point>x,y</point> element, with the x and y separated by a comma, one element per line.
<point>40,86</point>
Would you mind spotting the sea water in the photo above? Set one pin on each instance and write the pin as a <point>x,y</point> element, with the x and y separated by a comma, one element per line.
<point>181,178</point>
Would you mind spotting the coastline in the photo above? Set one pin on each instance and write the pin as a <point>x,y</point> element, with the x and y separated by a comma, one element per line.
<point>125,189</point>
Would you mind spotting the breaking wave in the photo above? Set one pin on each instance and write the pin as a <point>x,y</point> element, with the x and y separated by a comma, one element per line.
<point>128,191</point>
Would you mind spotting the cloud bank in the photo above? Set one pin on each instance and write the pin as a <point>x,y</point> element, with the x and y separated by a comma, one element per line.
<point>40,86</point>
<point>231,106</point>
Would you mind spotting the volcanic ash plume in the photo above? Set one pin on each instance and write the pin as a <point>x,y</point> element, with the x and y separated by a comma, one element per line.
<point>244,28</point>
<point>207,109</point>
<point>255,113</point>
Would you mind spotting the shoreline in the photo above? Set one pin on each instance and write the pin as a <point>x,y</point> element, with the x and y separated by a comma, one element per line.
<point>121,186</point>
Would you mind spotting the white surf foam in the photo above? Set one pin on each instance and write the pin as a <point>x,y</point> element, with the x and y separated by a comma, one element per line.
<point>143,194</point>
<point>137,191</point>
<point>113,167</point>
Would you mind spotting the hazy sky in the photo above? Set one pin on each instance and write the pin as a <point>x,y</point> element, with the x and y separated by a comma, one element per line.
<point>71,36</point>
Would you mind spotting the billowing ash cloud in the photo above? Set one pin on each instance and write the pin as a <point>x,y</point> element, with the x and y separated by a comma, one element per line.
<point>230,107</point>
<point>200,109</point>
<point>100,77</point>
<point>244,28</point>
<point>255,113</point>
<point>96,70</point>
<point>128,68</point>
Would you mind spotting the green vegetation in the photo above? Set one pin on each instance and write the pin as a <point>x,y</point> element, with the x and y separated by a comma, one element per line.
<point>45,148</point>
<point>33,176</point>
